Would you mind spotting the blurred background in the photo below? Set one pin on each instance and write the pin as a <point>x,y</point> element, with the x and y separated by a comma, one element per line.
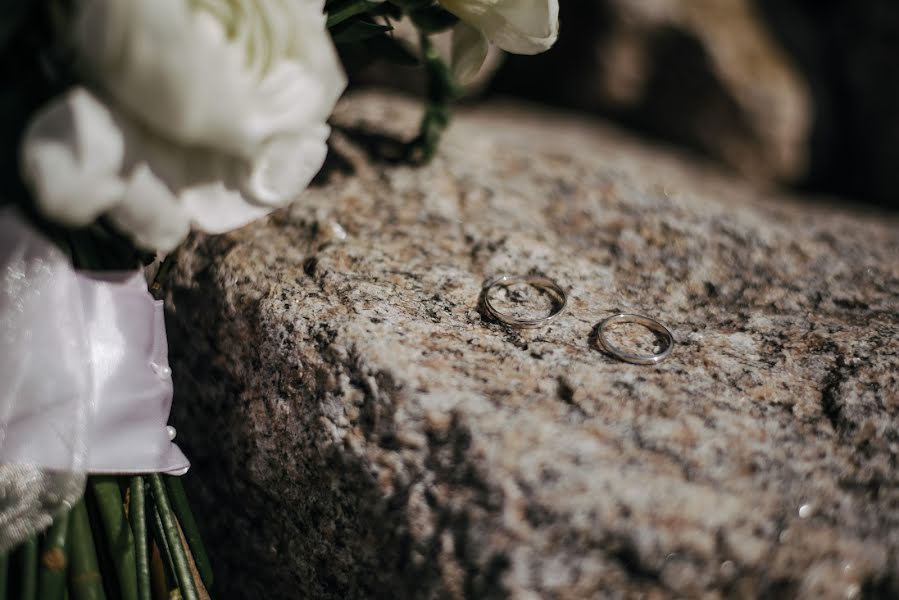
<point>802,94</point>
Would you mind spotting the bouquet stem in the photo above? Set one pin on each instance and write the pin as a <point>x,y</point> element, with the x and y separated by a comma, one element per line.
<point>4,576</point>
<point>440,94</point>
<point>175,489</point>
<point>52,576</point>
<point>137,515</point>
<point>165,554</point>
<point>119,539</point>
<point>85,581</point>
<point>28,569</point>
<point>105,552</point>
<point>173,538</point>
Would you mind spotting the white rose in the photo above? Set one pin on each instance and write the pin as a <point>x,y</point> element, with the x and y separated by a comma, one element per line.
<point>208,113</point>
<point>516,26</point>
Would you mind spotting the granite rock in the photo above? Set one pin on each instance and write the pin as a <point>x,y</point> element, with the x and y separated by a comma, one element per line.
<point>359,429</point>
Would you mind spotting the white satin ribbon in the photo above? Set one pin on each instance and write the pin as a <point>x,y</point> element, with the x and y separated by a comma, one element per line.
<point>84,364</point>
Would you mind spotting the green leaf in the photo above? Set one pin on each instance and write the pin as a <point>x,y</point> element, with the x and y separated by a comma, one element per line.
<point>433,19</point>
<point>386,9</point>
<point>411,5</point>
<point>357,30</point>
<point>340,11</point>
<point>392,50</point>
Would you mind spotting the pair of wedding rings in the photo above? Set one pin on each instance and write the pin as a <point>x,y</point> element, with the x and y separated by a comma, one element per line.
<point>559,301</point>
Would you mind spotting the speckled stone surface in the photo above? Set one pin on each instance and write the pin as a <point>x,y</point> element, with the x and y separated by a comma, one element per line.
<point>359,430</point>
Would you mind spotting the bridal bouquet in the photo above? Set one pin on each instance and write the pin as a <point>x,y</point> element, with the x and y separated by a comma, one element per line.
<point>125,125</point>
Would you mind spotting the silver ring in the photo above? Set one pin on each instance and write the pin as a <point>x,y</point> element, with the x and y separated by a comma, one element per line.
<point>560,299</point>
<point>636,359</point>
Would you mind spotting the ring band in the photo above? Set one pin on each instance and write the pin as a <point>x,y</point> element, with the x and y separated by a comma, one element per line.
<point>636,359</point>
<point>560,299</point>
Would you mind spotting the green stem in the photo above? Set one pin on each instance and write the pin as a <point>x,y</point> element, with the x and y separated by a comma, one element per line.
<point>137,514</point>
<point>173,538</point>
<point>181,506</point>
<point>168,567</point>
<point>85,582</point>
<point>440,94</point>
<point>163,273</point>
<point>52,576</point>
<point>4,575</point>
<point>411,5</point>
<point>119,538</point>
<point>27,555</point>
<point>104,559</point>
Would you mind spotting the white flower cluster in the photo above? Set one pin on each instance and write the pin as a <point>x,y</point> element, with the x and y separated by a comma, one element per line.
<point>212,113</point>
<point>516,26</point>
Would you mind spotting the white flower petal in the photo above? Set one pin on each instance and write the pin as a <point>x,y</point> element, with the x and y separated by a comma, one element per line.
<point>314,50</point>
<point>517,26</point>
<point>195,77</point>
<point>214,208</point>
<point>170,66</point>
<point>205,184</point>
<point>71,157</point>
<point>150,213</point>
<point>285,167</point>
<point>294,95</point>
<point>215,114</point>
<point>469,52</point>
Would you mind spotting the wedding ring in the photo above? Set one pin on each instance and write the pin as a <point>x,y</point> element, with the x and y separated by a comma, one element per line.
<point>545,284</point>
<point>637,359</point>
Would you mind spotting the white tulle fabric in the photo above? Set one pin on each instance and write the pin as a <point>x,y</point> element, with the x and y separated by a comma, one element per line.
<point>87,387</point>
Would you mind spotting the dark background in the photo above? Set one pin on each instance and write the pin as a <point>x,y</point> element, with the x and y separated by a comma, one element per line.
<point>844,57</point>
<point>795,94</point>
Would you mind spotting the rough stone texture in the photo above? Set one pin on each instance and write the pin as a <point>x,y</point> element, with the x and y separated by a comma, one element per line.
<point>707,73</point>
<point>359,430</point>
